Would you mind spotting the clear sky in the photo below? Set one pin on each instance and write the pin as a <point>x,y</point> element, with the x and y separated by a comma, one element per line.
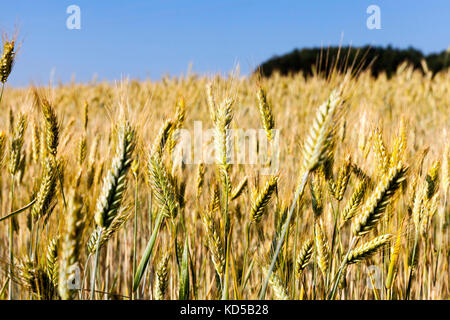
<point>149,38</point>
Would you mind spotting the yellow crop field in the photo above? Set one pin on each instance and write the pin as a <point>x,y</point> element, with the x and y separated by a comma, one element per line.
<point>196,187</point>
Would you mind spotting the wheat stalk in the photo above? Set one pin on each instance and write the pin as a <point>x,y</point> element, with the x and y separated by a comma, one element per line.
<point>317,149</point>
<point>111,196</point>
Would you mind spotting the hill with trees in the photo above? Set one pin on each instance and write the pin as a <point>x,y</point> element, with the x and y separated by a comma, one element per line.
<point>378,59</point>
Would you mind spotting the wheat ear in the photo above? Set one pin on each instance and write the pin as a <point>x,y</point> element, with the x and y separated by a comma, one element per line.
<point>381,197</point>
<point>265,109</point>
<point>7,60</point>
<point>366,250</point>
<point>163,187</point>
<point>261,201</point>
<point>304,256</point>
<point>52,259</point>
<point>114,184</point>
<point>322,248</point>
<point>380,150</point>
<point>279,288</point>
<point>354,202</point>
<point>17,144</point>
<point>162,278</point>
<point>239,189</point>
<point>343,178</point>
<point>215,243</point>
<point>200,179</point>
<point>46,192</point>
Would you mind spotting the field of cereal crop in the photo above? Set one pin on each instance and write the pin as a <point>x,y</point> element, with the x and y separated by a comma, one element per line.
<point>196,187</point>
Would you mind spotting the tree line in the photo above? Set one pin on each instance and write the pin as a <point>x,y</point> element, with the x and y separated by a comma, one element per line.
<point>377,59</point>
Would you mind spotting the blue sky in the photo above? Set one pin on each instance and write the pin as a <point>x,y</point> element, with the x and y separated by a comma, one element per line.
<point>142,39</point>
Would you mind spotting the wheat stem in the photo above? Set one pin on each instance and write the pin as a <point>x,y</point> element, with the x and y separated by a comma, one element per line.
<point>135,226</point>
<point>299,192</point>
<point>95,269</point>
<point>412,266</point>
<point>11,245</point>
<point>335,282</point>
<point>148,251</point>
<point>1,92</point>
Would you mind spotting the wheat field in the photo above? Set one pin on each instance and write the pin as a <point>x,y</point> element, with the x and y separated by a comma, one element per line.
<point>95,204</point>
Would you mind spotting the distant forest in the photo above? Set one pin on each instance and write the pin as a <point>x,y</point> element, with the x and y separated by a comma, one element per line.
<point>378,59</point>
